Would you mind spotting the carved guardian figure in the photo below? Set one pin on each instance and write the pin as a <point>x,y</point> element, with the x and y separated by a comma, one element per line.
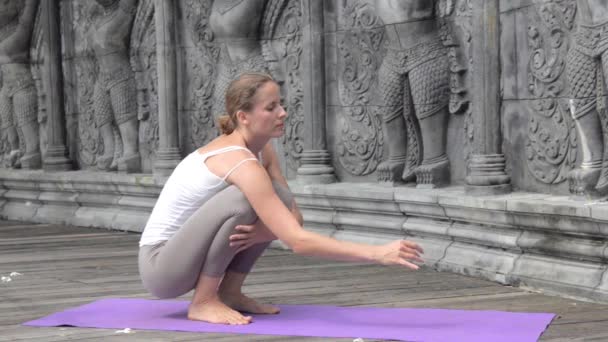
<point>18,99</point>
<point>236,25</point>
<point>414,89</point>
<point>587,61</point>
<point>115,94</point>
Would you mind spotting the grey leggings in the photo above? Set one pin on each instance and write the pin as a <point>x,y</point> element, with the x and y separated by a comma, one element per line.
<point>172,268</point>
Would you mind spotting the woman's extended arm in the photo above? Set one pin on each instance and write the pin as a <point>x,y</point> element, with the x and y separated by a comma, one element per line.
<point>253,180</point>
<point>271,164</point>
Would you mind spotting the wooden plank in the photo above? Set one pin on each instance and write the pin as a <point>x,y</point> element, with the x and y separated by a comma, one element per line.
<point>26,230</point>
<point>69,266</point>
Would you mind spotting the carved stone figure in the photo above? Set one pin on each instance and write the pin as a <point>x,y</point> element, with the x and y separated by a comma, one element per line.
<point>414,88</point>
<point>18,99</point>
<point>115,94</point>
<point>587,61</point>
<point>236,25</point>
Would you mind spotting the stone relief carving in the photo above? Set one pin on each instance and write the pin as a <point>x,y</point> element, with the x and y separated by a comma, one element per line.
<point>105,90</point>
<point>236,28</point>
<point>37,60</point>
<point>89,139</point>
<point>551,148</point>
<point>201,61</point>
<point>115,92</point>
<point>143,61</point>
<point>110,73</point>
<point>283,20</point>
<point>454,19</point>
<point>586,71</point>
<point>373,58</point>
<point>18,97</point>
<point>414,81</point>
<point>82,137</point>
<point>237,36</point>
<point>361,139</point>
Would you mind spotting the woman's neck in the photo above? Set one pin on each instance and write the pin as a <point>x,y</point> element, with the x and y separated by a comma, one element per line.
<point>254,144</point>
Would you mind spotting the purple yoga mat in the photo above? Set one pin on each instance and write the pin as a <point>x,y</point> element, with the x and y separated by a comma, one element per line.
<point>314,320</point>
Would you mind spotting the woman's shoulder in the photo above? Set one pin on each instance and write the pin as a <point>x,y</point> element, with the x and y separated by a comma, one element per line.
<point>223,145</point>
<point>220,142</point>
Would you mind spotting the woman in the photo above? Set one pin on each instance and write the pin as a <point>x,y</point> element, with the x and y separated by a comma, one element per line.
<point>190,240</point>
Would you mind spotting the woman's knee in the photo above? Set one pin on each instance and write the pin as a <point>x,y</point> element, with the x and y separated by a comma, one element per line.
<point>235,201</point>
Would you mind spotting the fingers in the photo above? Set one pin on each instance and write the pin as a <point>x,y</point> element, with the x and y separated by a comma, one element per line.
<point>236,237</point>
<point>408,264</point>
<point>410,256</point>
<point>412,245</point>
<point>244,228</point>
<point>410,252</point>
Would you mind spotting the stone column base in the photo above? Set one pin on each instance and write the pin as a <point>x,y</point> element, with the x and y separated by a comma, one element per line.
<point>487,175</point>
<point>315,168</point>
<point>166,161</point>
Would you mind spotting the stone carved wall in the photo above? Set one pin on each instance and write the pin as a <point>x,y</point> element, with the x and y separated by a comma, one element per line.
<point>143,61</point>
<point>377,79</point>
<point>115,93</point>
<point>455,19</point>
<point>18,95</point>
<point>79,57</point>
<point>586,73</point>
<point>551,146</point>
<point>288,30</point>
<point>360,148</point>
<point>110,92</point>
<point>81,141</point>
<point>567,126</point>
<point>201,61</point>
<point>37,47</point>
<point>276,49</point>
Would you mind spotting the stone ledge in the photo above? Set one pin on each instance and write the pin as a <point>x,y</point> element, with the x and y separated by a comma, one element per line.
<point>538,241</point>
<point>82,198</point>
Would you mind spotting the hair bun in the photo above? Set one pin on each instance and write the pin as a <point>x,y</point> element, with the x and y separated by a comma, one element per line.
<point>225,124</point>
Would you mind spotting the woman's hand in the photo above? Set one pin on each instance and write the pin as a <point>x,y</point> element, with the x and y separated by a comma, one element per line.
<point>249,235</point>
<point>400,252</point>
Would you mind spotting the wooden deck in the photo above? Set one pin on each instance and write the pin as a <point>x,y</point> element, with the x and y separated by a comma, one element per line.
<point>63,267</point>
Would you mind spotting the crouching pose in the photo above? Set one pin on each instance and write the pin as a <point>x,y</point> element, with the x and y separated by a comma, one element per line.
<point>223,205</point>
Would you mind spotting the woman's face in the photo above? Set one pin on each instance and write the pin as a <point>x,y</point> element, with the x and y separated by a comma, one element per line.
<point>267,117</point>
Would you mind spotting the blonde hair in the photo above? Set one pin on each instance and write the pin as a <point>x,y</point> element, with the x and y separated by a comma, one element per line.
<point>240,95</point>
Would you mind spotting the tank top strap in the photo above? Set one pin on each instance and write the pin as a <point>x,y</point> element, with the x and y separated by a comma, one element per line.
<point>206,155</point>
<point>236,166</point>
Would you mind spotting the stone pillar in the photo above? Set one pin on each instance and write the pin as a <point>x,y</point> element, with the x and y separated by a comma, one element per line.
<point>168,154</point>
<point>56,153</point>
<point>486,169</point>
<point>315,160</point>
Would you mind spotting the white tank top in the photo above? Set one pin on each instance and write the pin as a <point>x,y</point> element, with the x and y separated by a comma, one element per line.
<point>190,185</point>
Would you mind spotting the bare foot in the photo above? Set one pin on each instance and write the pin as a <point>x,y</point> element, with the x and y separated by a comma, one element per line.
<point>240,302</point>
<point>214,311</point>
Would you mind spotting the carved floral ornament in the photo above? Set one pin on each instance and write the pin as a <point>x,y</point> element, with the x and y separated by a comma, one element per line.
<point>361,139</point>
<point>551,146</point>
